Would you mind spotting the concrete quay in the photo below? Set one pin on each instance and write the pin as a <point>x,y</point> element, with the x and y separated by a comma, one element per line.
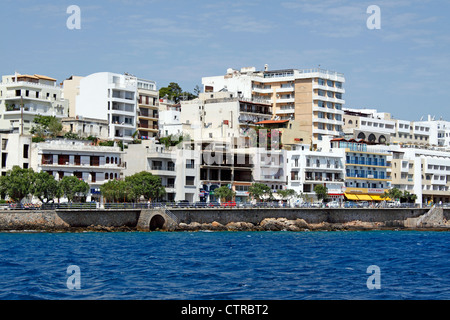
<point>294,219</point>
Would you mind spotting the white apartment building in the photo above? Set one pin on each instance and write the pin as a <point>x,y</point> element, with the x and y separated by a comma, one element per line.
<point>307,169</point>
<point>222,115</point>
<point>112,97</point>
<point>270,167</point>
<point>93,164</point>
<point>15,151</point>
<point>311,97</point>
<point>178,168</point>
<point>439,130</point>
<point>422,171</point>
<point>23,97</point>
<point>169,118</point>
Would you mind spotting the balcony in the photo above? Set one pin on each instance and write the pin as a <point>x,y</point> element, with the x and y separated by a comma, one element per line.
<point>258,109</point>
<point>283,89</point>
<point>364,175</point>
<point>285,100</point>
<point>367,162</point>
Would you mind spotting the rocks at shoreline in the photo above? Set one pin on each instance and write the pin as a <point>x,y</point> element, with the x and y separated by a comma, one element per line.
<point>278,224</point>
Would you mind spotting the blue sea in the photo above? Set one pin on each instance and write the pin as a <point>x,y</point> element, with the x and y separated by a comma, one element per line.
<point>316,265</point>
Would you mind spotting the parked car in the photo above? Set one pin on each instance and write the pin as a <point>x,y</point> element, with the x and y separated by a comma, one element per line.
<point>213,204</point>
<point>333,204</point>
<point>200,204</point>
<point>182,204</point>
<point>229,204</point>
<point>350,204</point>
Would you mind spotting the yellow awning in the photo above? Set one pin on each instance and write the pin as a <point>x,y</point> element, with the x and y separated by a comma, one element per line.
<point>351,196</point>
<point>376,198</point>
<point>364,197</point>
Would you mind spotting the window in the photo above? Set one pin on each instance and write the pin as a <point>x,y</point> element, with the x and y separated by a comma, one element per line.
<point>190,180</point>
<point>190,163</point>
<point>25,150</point>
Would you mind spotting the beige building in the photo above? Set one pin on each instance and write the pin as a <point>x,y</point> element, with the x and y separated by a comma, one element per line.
<point>312,97</point>
<point>85,127</point>
<point>71,88</point>
<point>379,127</point>
<point>148,114</point>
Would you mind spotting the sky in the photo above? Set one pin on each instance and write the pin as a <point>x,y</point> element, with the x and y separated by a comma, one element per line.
<point>402,68</point>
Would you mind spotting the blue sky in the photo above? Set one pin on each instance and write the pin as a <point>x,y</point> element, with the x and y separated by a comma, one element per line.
<point>402,68</point>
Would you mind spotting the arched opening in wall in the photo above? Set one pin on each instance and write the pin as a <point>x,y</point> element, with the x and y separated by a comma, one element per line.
<point>361,135</point>
<point>372,138</point>
<point>157,222</point>
<point>382,139</point>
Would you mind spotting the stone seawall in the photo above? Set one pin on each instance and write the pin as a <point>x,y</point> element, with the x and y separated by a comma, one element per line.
<point>310,215</point>
<point>221,219</point>
<point>50,220</point>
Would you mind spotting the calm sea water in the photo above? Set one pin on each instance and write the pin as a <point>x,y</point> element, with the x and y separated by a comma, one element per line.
<point>226,265</point>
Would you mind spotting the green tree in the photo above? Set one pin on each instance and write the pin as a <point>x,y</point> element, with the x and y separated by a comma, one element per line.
<point>259,191</point>
<point>172,91</point>
<point>197,91</point>
<point>144,184</point>
<point>3,187</point>
<point>321,192</point>
<point>287,194</point>
<point>45,187</point>
<point>393,193</point>
<point>114,190</point>
<point>73,188</point>
<point>408,197</point>
<point>45,126</point>
<point>224,193</point>
<point>18,182</point>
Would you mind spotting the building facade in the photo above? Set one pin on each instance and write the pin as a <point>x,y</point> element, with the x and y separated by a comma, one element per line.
<point>23,97</point>
<point>178,168</point>
<point>311,97</point>
<point>367,169</point>
<point>148,113</point>
<point>95,165</point>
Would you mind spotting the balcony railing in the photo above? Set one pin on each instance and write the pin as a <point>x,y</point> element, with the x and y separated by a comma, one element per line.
<point>367,162</point>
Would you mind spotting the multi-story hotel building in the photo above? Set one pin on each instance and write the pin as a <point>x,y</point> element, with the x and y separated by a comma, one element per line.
<point>23,97</point>
<point>311,97</point>
<point>367,169</point>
